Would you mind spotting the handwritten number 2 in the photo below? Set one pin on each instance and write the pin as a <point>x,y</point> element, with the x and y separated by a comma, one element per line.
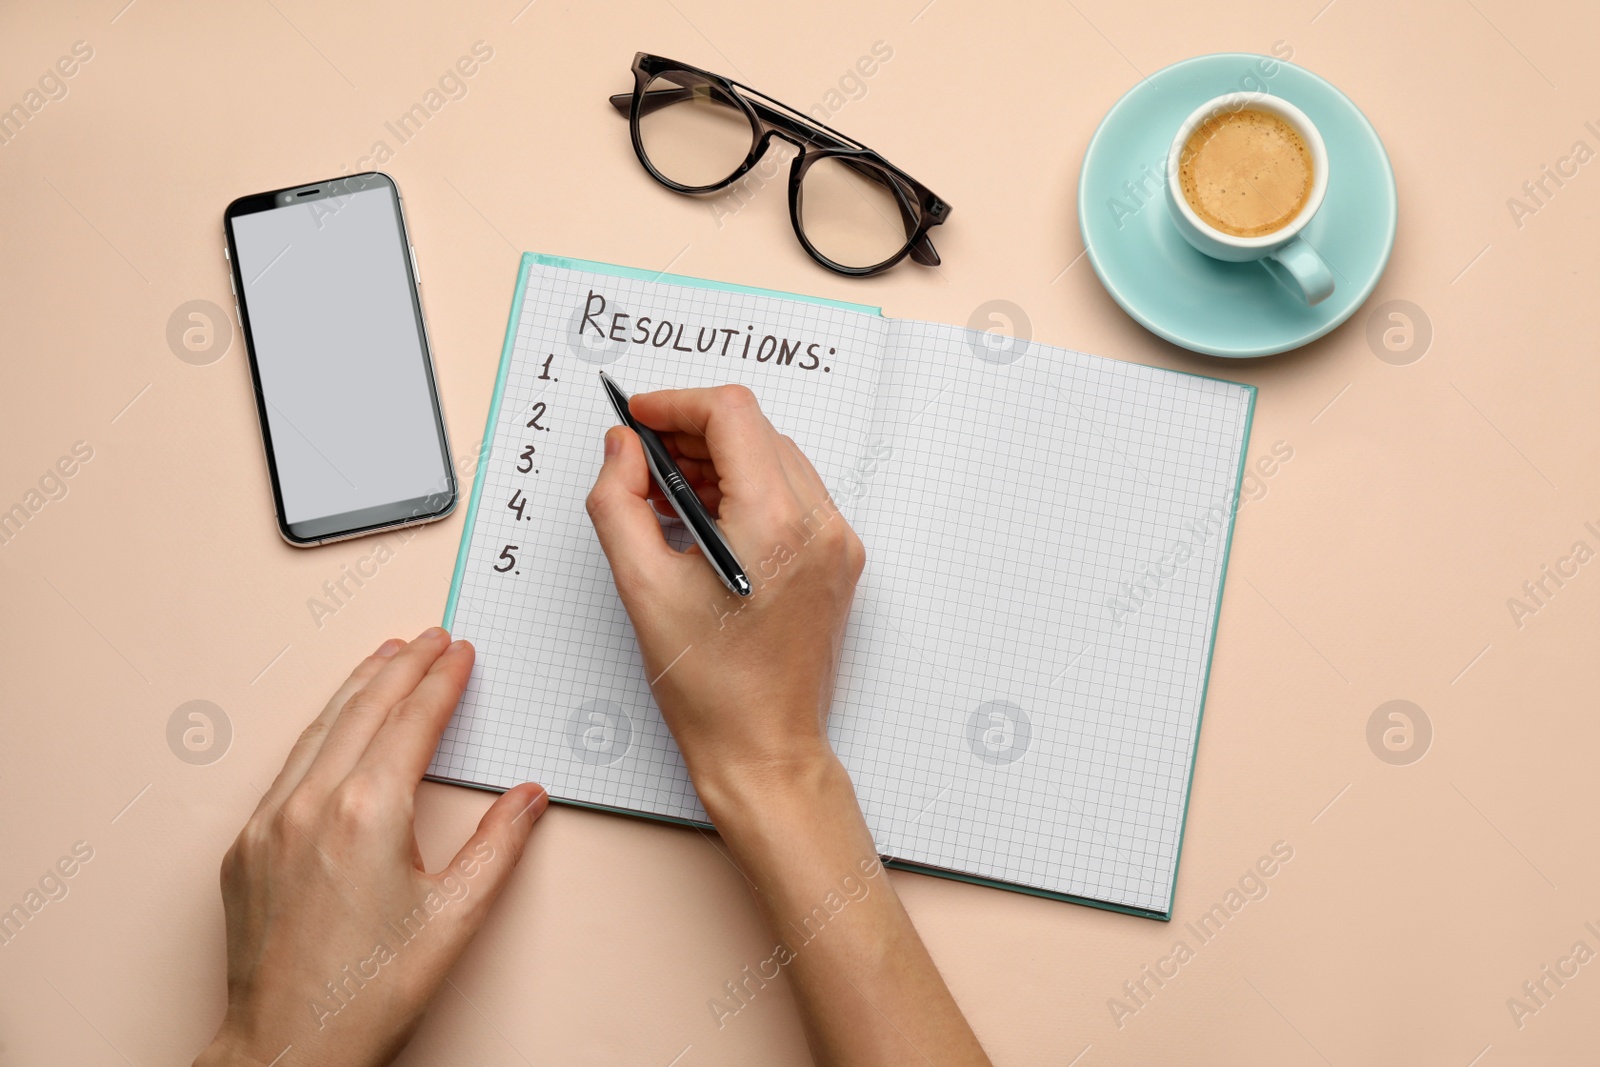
<point>538,413</point>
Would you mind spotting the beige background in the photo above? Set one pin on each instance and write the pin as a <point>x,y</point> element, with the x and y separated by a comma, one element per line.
<point>1377,565</point>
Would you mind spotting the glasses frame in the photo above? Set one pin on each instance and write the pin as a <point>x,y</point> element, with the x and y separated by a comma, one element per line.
<point>920,208</point>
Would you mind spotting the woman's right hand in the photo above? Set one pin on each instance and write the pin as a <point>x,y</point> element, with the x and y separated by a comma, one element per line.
<point>743,683</point>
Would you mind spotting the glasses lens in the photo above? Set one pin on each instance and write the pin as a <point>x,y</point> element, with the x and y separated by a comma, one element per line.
<point>693,132</point>
<point>854,212</point>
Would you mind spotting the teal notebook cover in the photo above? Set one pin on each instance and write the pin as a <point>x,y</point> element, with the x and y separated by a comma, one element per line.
<point>529,261</point>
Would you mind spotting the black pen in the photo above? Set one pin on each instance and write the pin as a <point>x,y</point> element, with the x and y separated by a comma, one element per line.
<point>676,489</point>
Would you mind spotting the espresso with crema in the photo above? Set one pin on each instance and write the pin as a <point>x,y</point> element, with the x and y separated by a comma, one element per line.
<point>1246,173</point>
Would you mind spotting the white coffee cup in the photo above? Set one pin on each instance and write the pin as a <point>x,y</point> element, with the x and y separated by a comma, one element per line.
<point>1286,255</point>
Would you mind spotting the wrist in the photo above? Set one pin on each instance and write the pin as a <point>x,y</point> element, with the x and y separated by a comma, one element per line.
<point>734,792</point>
<point>778,820</point>
<point>797,837</point>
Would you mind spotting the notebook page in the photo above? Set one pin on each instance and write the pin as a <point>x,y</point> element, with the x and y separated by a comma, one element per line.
<point>1012,706</point>
<point>558,694</point>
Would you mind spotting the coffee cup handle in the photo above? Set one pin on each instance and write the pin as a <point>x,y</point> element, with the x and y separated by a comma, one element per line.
<point>1301,270</point>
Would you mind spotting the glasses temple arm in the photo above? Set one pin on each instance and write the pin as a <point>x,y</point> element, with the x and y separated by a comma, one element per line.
<point>653,101</point>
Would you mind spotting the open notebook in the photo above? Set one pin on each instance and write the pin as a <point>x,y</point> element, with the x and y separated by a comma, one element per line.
<point>1026,661</point>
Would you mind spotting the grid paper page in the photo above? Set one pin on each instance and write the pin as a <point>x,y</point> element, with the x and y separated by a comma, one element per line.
<point>1021,686</point>
<point>558,694</point>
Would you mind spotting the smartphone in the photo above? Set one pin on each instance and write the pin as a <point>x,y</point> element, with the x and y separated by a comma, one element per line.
<point>327,289</point>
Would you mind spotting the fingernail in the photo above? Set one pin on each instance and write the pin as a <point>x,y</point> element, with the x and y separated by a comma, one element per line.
<point>457,646</point>
<point>539,799</point>
<point>613,442</point>
<point>432,633</point>
<point>389,647</point>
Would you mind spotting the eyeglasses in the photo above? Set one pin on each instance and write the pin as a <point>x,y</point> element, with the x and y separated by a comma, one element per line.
<point>853,211</point>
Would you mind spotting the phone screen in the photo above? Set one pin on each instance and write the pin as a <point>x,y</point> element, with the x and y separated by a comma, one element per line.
<point>344,378</point>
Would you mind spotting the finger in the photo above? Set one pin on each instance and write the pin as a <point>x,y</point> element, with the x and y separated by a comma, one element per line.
<point>697,470</point>
<point>823,507</point>
<point>619,507</point>
<point>816,508</point>
<point>687,445</point>
<point>369,706</point>
<point>305,749</point>
<point>808,484</point>
<point>710,494</point>
<point>404,745</point>
<point>486,861</point>
<point>739,439</point>
<point>693,470</point>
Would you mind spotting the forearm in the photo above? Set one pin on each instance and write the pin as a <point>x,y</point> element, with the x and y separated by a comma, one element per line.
<point>747,707</point>
<point>867,990</point>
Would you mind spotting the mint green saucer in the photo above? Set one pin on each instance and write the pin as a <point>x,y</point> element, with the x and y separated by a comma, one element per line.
<point>1203,304</point>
